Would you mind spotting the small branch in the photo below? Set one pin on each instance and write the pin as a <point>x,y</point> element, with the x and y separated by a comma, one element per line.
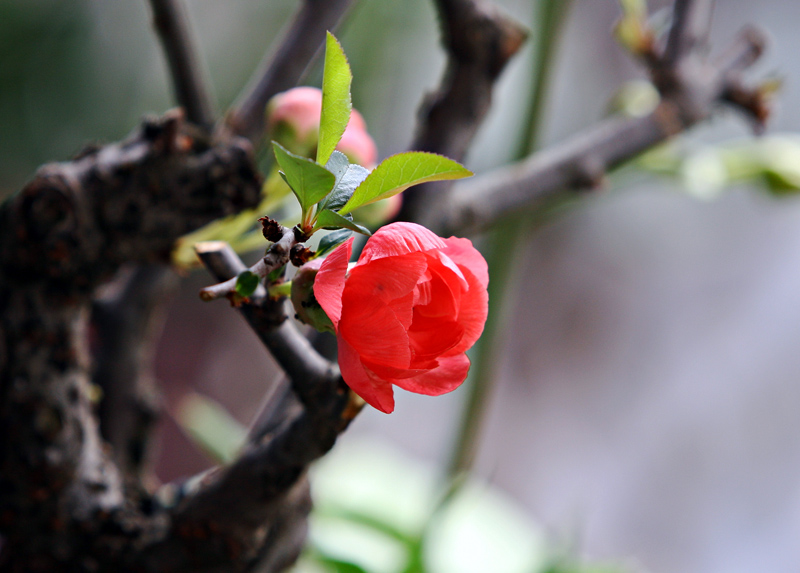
<point>263,491</point>
<point>284,69</point>
<point>479,41</point>
<point>691,23</point>
<point>304,366</point>
<point>276,257</point>
<point>189,81</point>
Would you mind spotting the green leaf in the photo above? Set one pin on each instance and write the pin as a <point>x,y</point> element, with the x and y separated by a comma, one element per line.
<point>246,283</point>
<point>331,220</point>
<point>397,173</point>
<point>309,182</point>
<point>333,240</point>
<point>336,105</point>
<point>348,177</point>
<point>211,426</point>
<point>276,274</point>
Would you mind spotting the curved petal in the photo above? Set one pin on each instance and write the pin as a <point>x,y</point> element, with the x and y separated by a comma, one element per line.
<point>373,329</point>
<point>375,392</point>
<point>400,239</point>
<point>431,338</point>
<point>446,377</point>
<point>472,313</point>
<point>373,319</point>
<point>465,255</point>
<point>329,282</point>
<point>387,278</point>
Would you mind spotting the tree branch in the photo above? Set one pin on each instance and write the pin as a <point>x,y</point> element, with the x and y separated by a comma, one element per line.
<point>284,69</point>
<point>126,322</point>
<point>692,89</point>
<point>190,84</point>
<point>691,24</point>
<point>258,500</point>
<point>66,232</point>
<point>479,41</point>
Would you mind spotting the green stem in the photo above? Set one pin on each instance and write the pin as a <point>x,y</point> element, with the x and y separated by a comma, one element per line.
<point>552,15</point>
<point>280,289</point>
<point>504,244</point>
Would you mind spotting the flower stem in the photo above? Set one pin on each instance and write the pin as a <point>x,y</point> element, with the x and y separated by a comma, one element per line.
<point>280,289</point>
<point>504,244</point>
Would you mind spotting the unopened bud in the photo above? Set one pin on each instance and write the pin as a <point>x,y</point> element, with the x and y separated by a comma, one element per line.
<point>293,121</point>
<point>305,305</point>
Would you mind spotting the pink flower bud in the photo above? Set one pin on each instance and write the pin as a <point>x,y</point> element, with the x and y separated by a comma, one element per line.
<point>293,121</point>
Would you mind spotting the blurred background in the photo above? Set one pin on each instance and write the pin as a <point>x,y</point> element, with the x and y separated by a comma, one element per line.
<point>645,406</point>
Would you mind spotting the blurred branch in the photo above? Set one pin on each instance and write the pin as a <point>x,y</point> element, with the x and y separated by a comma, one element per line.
<point>126,324</point>
<point>61,237</point>
<point>692,89</point>
<point>189,81</point>
<point>284,69</point>
<point>691,24</point>
<point>479,41</point>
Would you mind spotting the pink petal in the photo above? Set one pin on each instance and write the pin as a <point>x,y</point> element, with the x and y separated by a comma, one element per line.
<point>390,372</point>
<point>329,283</point>
<point>375,392</point>
<point>400,239</point>
<point>472,312</point>
<point>373,321</point>
<point>430,338</point>
<point>448,376</point>
<point>388,278</point>
<point>465,255</point>
<point>374,331</point>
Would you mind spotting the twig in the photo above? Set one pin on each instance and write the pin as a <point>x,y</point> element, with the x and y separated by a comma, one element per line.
<point>264,486</point>
<point>276,257</point>
<point>691,24</point>
<point>188,78</point>
<point>284,69</point>
<point>304,366</point>
<point>479,41</point>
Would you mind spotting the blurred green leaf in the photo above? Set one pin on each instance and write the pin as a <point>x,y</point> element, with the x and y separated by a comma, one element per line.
<point>246,283</point>
<point>309,181</point>
<point>336,104</point>
<point>397,173</point>
<point>211,427</point>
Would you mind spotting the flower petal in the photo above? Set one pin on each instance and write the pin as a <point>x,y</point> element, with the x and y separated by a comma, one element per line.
<point>375,392</point>
<point>448,376</point>
<point>372,320</point>
<point>329,282</point>
<point>465,255</point>
<point>472,312</point>
<point>400,239</point>
<point>433,337</point>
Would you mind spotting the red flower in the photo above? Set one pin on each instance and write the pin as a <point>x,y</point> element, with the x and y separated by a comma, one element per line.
<point>406,313</point>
